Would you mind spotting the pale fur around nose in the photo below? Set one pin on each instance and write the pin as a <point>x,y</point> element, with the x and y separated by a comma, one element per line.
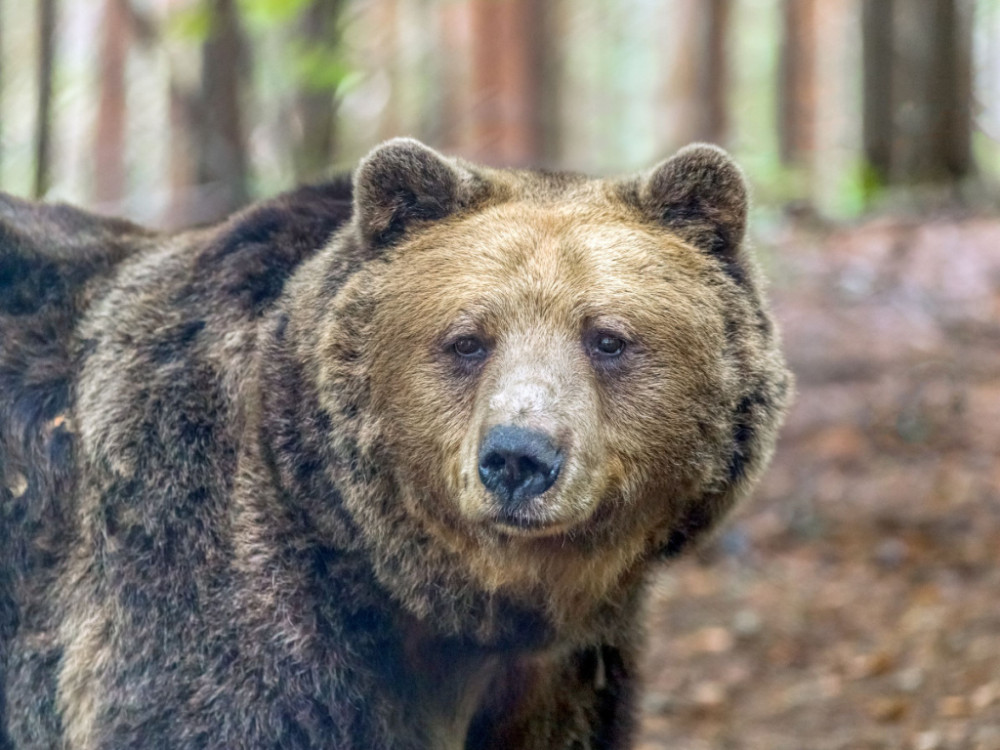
<point>520,402</point>
<point>537,386</point>
<point>549,389</point>
<point>542,384</point>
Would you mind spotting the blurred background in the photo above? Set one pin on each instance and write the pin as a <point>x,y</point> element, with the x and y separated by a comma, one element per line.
<point>855,601</point>
<point>177,111</point>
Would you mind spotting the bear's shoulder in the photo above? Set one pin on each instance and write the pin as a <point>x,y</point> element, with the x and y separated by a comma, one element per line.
<point>247,259</point>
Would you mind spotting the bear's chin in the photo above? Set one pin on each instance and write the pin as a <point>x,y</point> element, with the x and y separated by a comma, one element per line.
<point>562,510</point>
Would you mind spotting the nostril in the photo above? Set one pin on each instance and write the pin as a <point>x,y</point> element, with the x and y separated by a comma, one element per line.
<point>526,465</point>
<point>493,462</point>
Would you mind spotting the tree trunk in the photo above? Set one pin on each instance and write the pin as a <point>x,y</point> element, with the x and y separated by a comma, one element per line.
<point>180,211</point>
<point>109,136</point>
<point>698,80</point>
<point>452,73</point>
<point>222,163</point>
<point>43,119</point>
<point>877,65</point>
<point>317,106</point>
<point>797,85</point>
<point>385,14</point>
<point>512,71</point>
<point>715,71</point>
<point>933,83</point>
<point>918,90</point>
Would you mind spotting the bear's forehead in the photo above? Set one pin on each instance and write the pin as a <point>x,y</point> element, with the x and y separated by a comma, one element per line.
<point>560,261</point>
<point>568,241</point>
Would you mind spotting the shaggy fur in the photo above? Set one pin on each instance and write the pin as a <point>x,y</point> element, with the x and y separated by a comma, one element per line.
<point>239,493</point>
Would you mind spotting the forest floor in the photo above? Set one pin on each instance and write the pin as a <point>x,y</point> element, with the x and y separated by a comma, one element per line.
<point>854,602</point>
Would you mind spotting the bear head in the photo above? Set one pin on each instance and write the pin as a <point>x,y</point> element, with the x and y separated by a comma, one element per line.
<point>538,382</point>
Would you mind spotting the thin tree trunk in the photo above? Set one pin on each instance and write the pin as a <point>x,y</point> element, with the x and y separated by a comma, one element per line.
<point>222,164</point>
<point>386,22</point>
<point>698,82</point>
<point>933,80</point>
<point>43,118</point>
<point>183,205</point>
<point>715,71</point>
<point>109,137</point>
<point>917,90</point>
<point>797,87</point>
<point>317,106</point>
<point>681,120</point>
<point>877,61</point>
<point>182,208</point>
<point>511,63</point>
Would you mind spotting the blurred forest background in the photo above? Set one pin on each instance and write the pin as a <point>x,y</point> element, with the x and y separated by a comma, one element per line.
<point>854,602</point>
<point>176,111</point>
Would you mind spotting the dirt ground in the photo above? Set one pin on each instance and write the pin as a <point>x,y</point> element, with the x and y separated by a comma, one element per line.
<point>855,600</point>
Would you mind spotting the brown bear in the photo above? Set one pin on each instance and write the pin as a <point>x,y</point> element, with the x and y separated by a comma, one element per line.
<point>380,464</point>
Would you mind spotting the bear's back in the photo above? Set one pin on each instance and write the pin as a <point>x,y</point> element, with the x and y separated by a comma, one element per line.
<point>58,264</point>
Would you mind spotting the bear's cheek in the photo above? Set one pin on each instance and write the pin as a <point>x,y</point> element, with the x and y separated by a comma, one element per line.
<point>657,421</point>
<point>424,428</point>
<point>425,419</point>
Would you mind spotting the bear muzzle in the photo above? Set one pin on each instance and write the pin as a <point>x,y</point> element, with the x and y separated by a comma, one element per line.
<point>517,465</point>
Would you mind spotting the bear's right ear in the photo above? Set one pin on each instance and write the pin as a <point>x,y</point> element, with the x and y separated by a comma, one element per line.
<point>702,195</point>
<point>403,181</point>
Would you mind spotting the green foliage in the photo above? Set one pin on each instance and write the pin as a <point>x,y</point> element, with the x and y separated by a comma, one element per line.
<point>193,23</point>
<point>854,192</point>
<point>263,15</point>
<point>316,66</point>
<point>871,183</point>
<point>319,67</point>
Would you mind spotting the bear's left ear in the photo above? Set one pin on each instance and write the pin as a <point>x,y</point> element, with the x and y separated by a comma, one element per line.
<point>403,181</point>
<point>700,194</point>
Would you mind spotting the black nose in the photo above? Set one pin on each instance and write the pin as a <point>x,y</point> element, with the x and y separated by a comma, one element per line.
<point>517,464</point>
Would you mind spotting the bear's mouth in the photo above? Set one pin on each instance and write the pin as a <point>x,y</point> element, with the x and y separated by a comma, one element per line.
<point>526,522</point>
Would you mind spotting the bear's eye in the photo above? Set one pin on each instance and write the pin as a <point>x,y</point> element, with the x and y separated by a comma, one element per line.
<point>606,345</point>
<point>469,347</point>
